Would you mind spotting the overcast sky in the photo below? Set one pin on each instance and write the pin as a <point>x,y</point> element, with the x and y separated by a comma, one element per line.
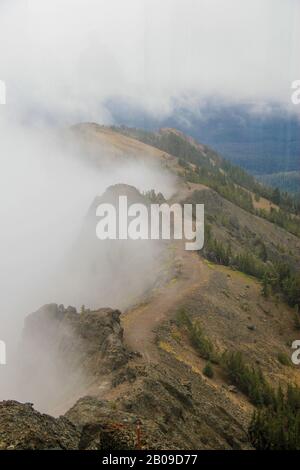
<point>66,58</point>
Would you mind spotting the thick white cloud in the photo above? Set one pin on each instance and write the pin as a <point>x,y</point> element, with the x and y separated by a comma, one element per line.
<point>65,58</point>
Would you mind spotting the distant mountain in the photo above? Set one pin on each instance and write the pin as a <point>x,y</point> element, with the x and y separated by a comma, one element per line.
<point>262,143</point>
<point>287,181</point>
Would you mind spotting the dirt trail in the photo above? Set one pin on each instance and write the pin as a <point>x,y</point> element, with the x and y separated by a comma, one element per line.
<point>140,322</point>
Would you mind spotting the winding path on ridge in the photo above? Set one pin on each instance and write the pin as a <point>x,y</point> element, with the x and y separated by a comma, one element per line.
<point>140,322</point>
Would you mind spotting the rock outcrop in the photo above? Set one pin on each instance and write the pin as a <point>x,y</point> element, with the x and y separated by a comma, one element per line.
<point>69,356</point>
<point>101,426</point>
<point>91,338</point>
<point>64,352</point>
<point>21,427</point>
<point>91,426</point>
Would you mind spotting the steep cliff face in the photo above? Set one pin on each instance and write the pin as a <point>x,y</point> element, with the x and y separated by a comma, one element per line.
<point>68,355</point>
<point>115,272</point>
<point>90,338</point>
<point>64,352</point>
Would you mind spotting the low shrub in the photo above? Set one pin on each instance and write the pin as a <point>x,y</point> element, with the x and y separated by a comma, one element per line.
<point>208,370</point>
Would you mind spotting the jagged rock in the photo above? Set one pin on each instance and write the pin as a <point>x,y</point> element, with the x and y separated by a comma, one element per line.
<point>251,327</point>
<point>21,427</point>
<point>91,424</point>
<point>94,336</point>
<point>71,309</point>
<point>102,427</point>
<point>63,351</point>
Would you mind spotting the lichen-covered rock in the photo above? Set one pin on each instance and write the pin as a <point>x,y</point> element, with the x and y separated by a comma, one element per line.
<point>22,427</point>
<point>90,424</point>
<point>101,426</point>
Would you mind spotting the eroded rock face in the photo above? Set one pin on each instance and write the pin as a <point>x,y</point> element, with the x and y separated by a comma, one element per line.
<point>89,425</point>
<point>101,426</point>
<point>186,409</point>
<point>63,352</point>
<point>115,272</point>
<point>65,355</point>
<point>21,427</point>
<point>93,337</point>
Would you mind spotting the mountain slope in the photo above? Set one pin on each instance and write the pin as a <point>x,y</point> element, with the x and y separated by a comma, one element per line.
<point>262,139</point>
<point>204,307</point>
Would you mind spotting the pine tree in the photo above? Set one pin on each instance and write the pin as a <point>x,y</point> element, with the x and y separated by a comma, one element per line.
<point>265,286</point>
<point>208,370</point>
